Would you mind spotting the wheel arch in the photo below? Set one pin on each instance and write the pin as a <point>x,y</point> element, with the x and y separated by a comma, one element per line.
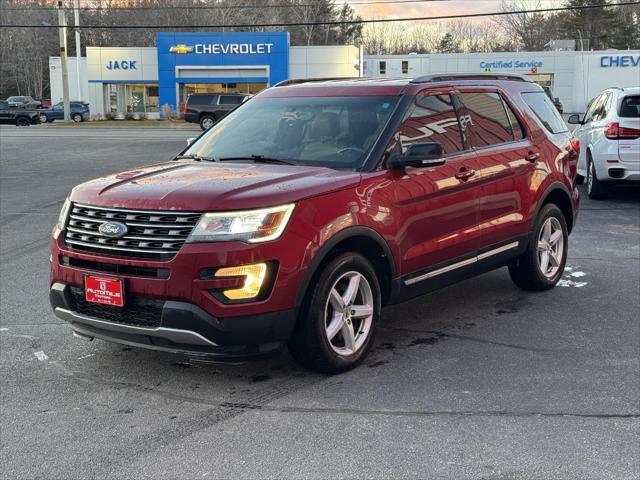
<point>558,194</point>
<point>362,240</point>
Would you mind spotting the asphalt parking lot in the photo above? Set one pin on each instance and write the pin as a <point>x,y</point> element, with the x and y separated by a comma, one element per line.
<point>480,380</point>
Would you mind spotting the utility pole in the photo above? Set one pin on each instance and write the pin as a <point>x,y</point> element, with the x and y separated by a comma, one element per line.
<point>62,24</point>
<point>76,22</point>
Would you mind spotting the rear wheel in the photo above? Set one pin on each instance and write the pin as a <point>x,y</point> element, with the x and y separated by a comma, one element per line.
<point>542,264</point>
<point>338,321</point>
<point>207,121</point>
<point>595,188</point>
<point>22,122</point>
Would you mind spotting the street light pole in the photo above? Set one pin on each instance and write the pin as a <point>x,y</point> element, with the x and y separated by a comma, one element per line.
<point>76,21</point>
<point>62,24</point>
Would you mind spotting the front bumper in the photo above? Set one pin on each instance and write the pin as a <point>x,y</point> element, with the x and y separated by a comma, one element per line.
<point>185,328</point>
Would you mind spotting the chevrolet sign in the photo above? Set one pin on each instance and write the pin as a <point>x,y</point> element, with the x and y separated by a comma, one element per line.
<point>218,48</point>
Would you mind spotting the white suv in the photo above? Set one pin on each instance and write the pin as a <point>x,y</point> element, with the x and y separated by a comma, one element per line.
<point>609,137</point>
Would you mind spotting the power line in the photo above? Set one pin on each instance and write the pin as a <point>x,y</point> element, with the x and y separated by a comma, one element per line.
<point>333,22</point>
<point>229,7</point>
<point>225,7</point>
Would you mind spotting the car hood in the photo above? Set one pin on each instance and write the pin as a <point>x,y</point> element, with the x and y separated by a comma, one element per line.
<point>207,186</point>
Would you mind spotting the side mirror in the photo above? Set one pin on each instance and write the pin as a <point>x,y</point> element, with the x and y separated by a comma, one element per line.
<point>419,155</point>
<point>574,119</point>
<point>190,140</point>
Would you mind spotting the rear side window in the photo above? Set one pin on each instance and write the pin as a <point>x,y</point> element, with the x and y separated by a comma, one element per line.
<point>229,100</point>
<point>200,99</point>
<point>545,111</point>
<point>432,119</point>
<point>630,107</point>
<point>489,120</point>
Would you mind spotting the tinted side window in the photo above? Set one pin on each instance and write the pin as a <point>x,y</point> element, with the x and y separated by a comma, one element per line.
<point>200,99</point>
<point>630,107</point>
<point>545,111</point>
<point>516,126</point>
<point>432,119</point>
<point>489,120</point>
<point>229,100</point>
<point>600,110</point>
<point>4,105</point>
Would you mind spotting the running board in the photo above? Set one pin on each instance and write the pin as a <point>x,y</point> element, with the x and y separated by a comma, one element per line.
<point>463,263</point>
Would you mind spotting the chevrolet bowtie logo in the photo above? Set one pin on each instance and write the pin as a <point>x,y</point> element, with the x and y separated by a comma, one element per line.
<point>181,49</point>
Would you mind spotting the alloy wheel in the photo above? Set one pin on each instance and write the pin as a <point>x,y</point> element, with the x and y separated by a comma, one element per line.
<point>207,123</point>
<point>590,174</point>
<point>349,313</point>
<point>550,247</point>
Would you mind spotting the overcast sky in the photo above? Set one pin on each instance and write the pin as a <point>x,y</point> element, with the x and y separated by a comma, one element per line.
<point>432,8</point>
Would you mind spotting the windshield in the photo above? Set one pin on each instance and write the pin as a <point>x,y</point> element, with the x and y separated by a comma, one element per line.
<point>334,132</point>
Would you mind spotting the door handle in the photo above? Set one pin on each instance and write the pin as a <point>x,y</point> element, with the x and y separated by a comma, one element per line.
<point>532,156</point>
<point>465,173</point>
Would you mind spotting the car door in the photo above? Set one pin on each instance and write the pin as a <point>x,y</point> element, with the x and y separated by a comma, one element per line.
<point>435,208</point>
<point>587,130</point>
<point>506,159</point>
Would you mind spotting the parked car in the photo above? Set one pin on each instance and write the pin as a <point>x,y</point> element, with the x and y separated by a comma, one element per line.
<point>556,101</point>
<point>610,135</point>
<point>207,108</point>
<point>297,218</point>
<point>23,101</point>
<point>79,112</point>
<point>45,103</point>
<point>17,116</point>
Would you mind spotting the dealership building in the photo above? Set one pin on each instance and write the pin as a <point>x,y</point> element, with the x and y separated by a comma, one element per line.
<point>142,80</point>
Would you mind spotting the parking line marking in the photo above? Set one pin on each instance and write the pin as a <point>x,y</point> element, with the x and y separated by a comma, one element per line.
<point>41,355</point>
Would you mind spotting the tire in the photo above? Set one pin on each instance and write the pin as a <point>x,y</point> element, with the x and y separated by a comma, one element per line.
<point>207,121</point>
<point>529,271</point>
<point>596,190</point>
<point>321,318</point>
<point>44,118</point>
<point>22,122</point>
<point>76,117</point>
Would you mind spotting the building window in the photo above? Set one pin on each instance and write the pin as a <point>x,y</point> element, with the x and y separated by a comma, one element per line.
<point>383,68</point>
<point>151,100</point>
<point>405,67</point>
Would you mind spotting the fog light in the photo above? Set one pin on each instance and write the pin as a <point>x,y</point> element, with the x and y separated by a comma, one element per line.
<point>253,278</point>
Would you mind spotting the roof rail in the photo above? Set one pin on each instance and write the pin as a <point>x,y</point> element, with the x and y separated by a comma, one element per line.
<point>518,77</point>
<point>297,81</point>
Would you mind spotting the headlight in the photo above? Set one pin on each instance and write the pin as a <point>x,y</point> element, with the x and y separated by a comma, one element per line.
<point>64,213</point>
<point>252,226</point>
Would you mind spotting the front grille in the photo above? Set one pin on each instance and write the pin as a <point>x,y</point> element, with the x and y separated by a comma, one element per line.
<point>118,269</point>
<point>151,234</point>
<point>137,311</point>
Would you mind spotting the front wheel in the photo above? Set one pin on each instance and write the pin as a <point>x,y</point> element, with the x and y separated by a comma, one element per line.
<point>206,122</point>
<point>542,264</point>
<point>76,117</point>
<point>22,122</point>
<point>338,322</point>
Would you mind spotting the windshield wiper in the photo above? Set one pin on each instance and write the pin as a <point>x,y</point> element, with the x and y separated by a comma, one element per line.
<point>257,159</point>
<point>197,158</point>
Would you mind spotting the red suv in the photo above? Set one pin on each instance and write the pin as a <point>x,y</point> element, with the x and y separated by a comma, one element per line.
<point>297,217</point>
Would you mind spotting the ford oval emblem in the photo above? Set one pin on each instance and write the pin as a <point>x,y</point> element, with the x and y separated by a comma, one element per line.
<point>113,229</point>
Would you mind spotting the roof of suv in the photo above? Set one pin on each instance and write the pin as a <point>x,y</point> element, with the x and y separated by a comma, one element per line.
<point>395,86</point>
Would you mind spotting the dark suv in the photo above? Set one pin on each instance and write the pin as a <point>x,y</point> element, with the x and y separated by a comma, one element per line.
<point>207,108</point>
<point>21,117</point>
<point>296,218</point>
